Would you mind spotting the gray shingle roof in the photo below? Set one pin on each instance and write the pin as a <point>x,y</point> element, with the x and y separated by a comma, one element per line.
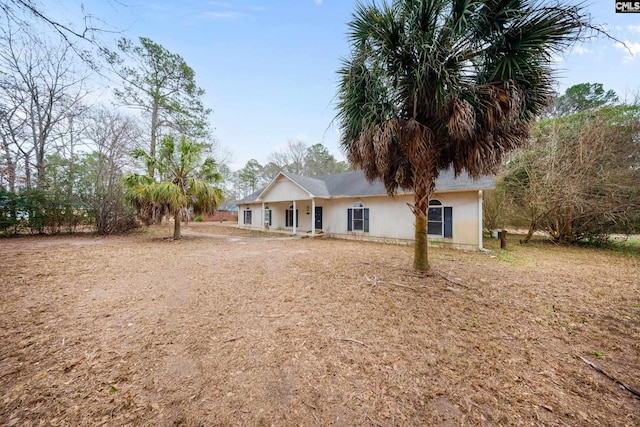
<point>354,184</point>
<point>315,186</point>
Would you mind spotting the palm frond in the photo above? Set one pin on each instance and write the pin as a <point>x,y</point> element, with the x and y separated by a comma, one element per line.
<point>432,84</point>
<point>181,165</point>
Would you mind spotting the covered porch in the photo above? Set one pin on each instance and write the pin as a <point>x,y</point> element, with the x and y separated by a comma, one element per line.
<point>297,216</point>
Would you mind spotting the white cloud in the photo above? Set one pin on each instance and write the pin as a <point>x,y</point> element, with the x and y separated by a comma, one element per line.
<point>229,12</point>
<point>318,2</point>
<point>634,28</point>
<point>579,50</point>
<point>631,50</point>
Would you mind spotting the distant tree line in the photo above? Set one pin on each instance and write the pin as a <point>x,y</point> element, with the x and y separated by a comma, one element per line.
<point>297,158</point>
<point>66,164</point>
<point>70,163</point>
<point>64,154</point>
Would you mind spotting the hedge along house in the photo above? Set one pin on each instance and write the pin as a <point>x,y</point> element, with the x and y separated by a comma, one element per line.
<point>348,206</point>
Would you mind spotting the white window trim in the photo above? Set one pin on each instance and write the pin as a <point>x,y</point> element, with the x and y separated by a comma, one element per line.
<point>357,207</point>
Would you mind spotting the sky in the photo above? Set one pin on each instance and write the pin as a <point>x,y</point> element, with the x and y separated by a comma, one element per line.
<point>268,68</point>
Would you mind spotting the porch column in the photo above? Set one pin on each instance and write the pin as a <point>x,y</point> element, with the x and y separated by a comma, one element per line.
<point>262,220</point>
<point>313,217</point>
<point>295,216</point>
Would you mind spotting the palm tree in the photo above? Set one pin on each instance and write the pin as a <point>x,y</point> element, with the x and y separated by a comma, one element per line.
<point>188,182</point>
<point>437,84</point>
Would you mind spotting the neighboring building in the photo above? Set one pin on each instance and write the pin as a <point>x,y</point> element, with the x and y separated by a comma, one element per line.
<point>227,211</point>
<point>348,206</point>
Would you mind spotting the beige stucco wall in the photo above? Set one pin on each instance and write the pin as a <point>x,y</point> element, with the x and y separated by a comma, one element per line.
<point>390,219</point>
<point>466,217</point>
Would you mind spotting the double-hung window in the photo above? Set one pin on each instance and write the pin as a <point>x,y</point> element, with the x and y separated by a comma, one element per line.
<point>439,219</point>
<point>358,218</point>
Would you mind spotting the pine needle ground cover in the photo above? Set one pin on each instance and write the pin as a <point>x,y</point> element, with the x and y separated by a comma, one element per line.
<point>225,327</point>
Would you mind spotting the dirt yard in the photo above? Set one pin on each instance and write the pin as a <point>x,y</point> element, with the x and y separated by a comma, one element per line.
<point>226,327</point>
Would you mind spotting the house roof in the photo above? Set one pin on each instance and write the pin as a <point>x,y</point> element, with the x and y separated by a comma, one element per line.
<point>354,184</point>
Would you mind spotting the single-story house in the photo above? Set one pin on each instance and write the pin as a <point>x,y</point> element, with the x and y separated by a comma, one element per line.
<point>348,206</point>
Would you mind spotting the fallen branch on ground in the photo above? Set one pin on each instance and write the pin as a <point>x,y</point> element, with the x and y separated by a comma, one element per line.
<point>350,340</point>
<point>374,281</point>
<point>611,377</point>
<point>455,282</point>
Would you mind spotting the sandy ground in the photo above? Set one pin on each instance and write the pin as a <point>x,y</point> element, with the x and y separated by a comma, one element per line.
<point>225,327</point>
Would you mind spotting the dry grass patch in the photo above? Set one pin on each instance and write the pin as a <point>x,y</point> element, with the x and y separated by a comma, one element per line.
<point>237,330</point>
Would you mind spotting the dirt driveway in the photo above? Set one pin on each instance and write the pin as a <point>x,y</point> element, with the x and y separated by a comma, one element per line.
<point>238,330</point>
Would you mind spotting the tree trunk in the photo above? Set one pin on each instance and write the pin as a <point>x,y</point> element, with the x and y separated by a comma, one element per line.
<point>27,171</point>
<point>532,229</point>
<point>11,167</point>
<point>41,148</point>
<point>421,251</point>
<point>176,225</point>
<point>154,136</point>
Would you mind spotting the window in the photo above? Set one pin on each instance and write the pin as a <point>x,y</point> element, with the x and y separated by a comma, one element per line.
<point>267,216</point>
<point>439,219</point>
<point>358,218</point>
<point>247,216</point>
<point>434,218</point>
<point>289,217</point>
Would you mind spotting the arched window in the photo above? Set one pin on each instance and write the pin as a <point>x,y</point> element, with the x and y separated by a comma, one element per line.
<point>358,218</point>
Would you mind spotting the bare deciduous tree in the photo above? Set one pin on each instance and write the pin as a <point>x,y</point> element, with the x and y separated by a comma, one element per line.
<point>40,89</point>
<point>579,178</point>
<point>101,189</point>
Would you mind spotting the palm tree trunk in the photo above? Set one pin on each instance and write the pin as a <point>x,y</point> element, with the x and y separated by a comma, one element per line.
<point>421,251</point>
<point>176,225</point>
